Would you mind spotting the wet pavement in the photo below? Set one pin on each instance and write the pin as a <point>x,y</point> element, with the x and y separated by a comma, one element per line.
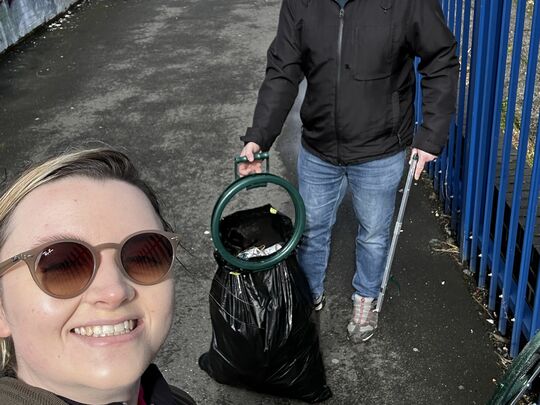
<point>173,83</point>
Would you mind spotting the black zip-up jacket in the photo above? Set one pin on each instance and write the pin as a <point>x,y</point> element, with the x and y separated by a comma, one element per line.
<point>156,392</point>
<point>358,62</point>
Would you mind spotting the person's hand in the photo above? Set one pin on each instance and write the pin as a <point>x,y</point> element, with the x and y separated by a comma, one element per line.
<point>423,158</point>
<point>252,166</point>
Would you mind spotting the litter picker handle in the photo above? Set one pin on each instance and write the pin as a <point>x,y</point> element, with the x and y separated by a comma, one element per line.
<point>397,229</point>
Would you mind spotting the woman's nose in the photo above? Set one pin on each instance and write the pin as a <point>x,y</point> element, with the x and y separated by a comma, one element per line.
<point>110,287</point>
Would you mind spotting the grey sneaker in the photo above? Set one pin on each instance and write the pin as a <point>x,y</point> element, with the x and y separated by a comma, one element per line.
<point>364,319</point>
<point>319,302</point>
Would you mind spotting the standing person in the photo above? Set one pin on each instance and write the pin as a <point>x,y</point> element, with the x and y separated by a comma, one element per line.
<point>86,285</point>
<point>358,117</point>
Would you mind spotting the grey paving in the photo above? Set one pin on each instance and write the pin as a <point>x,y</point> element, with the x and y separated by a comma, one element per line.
<point>173,83</point>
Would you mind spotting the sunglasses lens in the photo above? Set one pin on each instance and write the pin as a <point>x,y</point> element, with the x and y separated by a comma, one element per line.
<point>147,257</point>
<point>65,268</point>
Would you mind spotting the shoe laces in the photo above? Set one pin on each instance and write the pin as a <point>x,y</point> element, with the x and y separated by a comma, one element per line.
<point>361,309</point>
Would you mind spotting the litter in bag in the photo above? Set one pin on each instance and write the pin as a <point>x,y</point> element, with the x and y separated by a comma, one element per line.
<point>262,335</point>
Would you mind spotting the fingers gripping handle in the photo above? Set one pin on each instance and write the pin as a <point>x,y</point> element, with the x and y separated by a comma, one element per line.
<point>244,159</point>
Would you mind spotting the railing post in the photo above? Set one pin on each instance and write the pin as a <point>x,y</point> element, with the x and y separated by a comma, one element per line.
<point>463,47</point>
<point>483,130</point>
<point>474,110</point>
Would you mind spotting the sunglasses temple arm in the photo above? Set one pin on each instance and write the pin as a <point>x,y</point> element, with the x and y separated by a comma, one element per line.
<point>6,265</point>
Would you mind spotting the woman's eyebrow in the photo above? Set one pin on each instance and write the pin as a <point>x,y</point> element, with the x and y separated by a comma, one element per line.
<point>43,240</point>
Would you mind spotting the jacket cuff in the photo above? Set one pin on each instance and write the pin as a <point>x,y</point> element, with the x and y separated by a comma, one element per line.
<point>256,135</point>
<point>428,142</point>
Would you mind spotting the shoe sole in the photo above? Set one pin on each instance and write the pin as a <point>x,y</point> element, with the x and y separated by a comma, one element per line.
<point>320,305</point>
<point>357,339</point>
<point>368,337</point>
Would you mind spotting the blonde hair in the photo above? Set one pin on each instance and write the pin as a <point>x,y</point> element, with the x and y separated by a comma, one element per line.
<point>7,356</point>
<point>98,163</point>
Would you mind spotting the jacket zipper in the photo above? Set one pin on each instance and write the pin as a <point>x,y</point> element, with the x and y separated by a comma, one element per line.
<point>338,78</point>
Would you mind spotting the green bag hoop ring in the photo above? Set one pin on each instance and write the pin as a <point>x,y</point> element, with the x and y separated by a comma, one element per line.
<point>251,181</point>
<point>525,368</point>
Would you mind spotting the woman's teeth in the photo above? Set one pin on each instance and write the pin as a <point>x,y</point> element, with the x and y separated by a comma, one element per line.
<point>107,330</point>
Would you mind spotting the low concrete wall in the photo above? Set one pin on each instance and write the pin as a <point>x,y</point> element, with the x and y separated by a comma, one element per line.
<point>19,17</point>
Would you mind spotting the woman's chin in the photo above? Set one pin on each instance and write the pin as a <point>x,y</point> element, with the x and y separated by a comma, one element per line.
<point>112,377</point>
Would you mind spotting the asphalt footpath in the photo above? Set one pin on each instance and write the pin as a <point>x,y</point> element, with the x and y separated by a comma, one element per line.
<point>174,83</point>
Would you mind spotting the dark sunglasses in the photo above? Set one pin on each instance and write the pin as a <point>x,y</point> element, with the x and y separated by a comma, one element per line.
<point>65,268</point>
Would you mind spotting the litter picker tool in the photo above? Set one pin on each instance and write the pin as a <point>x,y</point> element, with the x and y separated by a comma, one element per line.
<point>397,229</point>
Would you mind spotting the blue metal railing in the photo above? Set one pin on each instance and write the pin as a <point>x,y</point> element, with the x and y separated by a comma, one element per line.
<point>483,178</point>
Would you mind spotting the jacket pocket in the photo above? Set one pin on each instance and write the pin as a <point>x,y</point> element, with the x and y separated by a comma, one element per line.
<point>372,52</point>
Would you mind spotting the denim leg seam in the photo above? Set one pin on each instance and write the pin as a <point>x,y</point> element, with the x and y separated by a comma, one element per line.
<point>322,187</point>
<point>374,191</point>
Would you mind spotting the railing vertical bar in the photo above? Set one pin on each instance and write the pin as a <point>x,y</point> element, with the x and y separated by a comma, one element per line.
<point>506,151</point>
<point>451,14</point>
<point>441,159</point>
<point>471,138</point>
<point>533,192</point>
<point>448,168</point>
<point>463,45</point>
<point>518,185</point>
<point>495,136</point>
<point>484,130</point>
<point>470,146</point>
<point>456,29</point>
<point>418,107</point>
<point>444,7</point>
<point>535,323</point>
<point>474,130</point>
<point>418,95</point>
<point>440,163</point>
<point>501,19</point>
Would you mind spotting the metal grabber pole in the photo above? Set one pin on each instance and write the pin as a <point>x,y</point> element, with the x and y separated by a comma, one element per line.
<point>397,230</point>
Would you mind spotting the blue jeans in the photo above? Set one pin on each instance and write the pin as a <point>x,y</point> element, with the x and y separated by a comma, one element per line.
<point>322,186</point>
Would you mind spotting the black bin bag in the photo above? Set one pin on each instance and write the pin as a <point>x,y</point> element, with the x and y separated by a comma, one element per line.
<point>262,337</point>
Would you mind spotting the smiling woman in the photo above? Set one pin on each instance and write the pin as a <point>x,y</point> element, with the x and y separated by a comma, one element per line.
<point>86,285</point>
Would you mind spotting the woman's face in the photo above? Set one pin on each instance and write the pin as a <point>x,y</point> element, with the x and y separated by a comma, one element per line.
<point>50,354</point>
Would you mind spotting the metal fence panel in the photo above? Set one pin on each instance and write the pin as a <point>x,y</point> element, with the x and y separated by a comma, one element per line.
<point>484,177</point>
